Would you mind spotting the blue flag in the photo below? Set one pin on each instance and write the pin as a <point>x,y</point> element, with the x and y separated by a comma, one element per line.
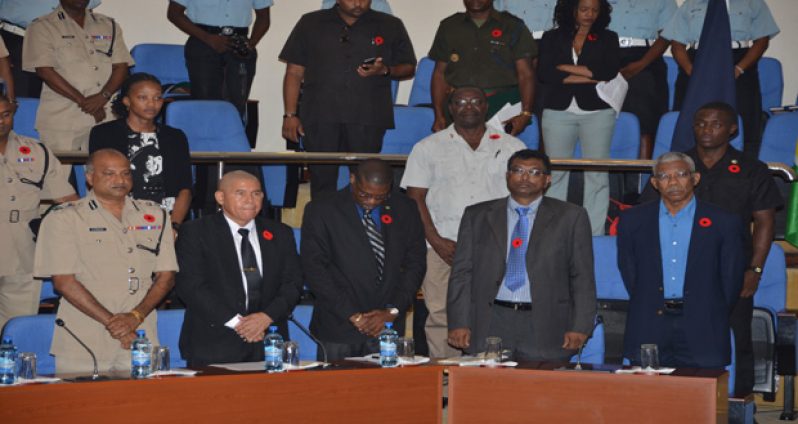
<point>712,79</point>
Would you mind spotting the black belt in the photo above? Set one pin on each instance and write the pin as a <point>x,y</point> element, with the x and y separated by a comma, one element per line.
<point>516,306</point>
<point>674,304</point>
<point>226,30</point>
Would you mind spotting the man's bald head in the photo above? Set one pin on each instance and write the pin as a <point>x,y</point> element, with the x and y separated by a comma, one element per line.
<point>233,176</point>
<point>374,171</point>
<point>104,155</point>
<point>108,173</point>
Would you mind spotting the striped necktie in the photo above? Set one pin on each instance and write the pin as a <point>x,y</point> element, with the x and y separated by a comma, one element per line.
<point>375,240</point>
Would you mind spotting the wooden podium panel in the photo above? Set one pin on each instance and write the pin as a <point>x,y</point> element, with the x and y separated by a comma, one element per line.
<point>502,395</point>
<point>398,395</point>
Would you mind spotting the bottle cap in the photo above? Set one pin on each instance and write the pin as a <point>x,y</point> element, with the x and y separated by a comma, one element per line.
<point>6,340</point>
<point>388,325</point>
<point>272,328</point>
<point>140,333</point>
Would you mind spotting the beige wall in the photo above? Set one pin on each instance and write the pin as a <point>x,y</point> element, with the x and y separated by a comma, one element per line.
<point>144,21</point>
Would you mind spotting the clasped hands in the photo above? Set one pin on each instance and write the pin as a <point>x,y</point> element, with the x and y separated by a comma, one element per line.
<point>94,105</point>
<point>371,323</point>
<point>122,327</point>
<point>252,328</point>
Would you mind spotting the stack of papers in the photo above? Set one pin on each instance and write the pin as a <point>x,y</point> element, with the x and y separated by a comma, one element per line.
<point>476,361</point>
<point>176,371</point>
<point>374,358</point>
<point>23,381</point>
<point>649,370</point>
<point>260,365</point>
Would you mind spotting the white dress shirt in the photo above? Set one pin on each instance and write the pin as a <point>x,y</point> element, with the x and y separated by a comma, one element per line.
<point>253,240</point>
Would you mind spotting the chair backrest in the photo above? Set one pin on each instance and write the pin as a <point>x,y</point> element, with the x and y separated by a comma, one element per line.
<point>673,72</point>
<point>297,237</point>
<point>771,82</point>
<point>394,89</point>
<point>34,333</point>
<point>593,352</point>
<point>412,125</point>
<point>275,179</point>
<point>165,61</point>
<point>609,284</point>
<point>80,178</point>
<point>772,291</point>
<point>170,322</point>
<point>210,125</point>
<point>48,290</point>
<point>778,141</point>
<point>667,127</point>
<point>25,117</point>
<point>307,347</point>
<point>531,134</point>
<point>420,92</point>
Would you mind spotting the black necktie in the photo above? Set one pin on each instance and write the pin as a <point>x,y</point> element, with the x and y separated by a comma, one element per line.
<point>375,240</point>
<point>251,272</point>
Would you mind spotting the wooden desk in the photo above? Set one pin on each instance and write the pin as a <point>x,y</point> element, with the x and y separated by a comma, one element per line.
<point>372,395</point>
<point>503,395</point>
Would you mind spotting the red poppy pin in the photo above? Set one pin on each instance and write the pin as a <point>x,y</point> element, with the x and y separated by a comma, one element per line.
<point>378,41</point>
<point>734,169</point>
<point>267,235</point>
<point>149,218</point>
<point>705,222</point>
<point>494,136</point>
<point>25,150</point>
<point>517,242</point>
<point>496,33</point>
<point>386,219</point>
<point>592,37</point>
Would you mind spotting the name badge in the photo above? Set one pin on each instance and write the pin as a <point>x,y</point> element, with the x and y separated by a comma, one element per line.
<point>101,37</point>
<point>97,229</point>
<point>68,37</point>
<point>25,159</point>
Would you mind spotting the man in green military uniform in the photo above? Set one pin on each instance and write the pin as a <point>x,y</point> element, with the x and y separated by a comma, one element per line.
<point>113,260</point>
<point>484,48</point>
<point>29,172</point>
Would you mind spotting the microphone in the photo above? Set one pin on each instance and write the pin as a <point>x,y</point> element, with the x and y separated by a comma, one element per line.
<point>312,337</point>
<point>95,376</point>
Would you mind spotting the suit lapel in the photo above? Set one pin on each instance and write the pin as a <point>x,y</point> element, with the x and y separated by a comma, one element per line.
<point>537,238</point>
<point>497,221</point>
<point>354,224</point>
<point>652,228</point>
<point>267,248</point>
<point>227,254</point>
<point>698,242</point>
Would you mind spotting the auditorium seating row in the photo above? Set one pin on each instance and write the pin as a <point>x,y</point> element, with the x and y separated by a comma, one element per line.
<point>34,333</point>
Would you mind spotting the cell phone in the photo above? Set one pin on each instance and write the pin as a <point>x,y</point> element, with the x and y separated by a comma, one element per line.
<point>369,61</point>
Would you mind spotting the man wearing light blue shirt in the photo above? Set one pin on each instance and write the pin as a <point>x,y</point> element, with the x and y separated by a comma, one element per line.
<point>378,5</point>
<point>638,24</point>
<point>538,15</point>
<point>15,16</point>
<point>752,27</point>
<point>523,270</point>
<point>220,51</point>
<point>682,264</point>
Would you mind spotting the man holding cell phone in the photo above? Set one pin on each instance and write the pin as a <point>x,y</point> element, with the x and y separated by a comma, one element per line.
<point>344,59</point>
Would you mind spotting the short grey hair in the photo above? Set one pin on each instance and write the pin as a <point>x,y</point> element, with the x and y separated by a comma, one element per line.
<point>674,157</point>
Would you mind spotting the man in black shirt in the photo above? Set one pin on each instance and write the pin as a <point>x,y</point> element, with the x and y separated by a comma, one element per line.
<point>744,186</point>
<point>346,56</point>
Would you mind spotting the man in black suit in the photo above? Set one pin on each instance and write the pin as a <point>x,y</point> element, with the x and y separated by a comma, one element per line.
<point>364,256</point>
<point>228,312</point>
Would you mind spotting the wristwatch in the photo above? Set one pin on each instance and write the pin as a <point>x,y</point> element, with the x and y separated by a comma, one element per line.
<point>756,269</point>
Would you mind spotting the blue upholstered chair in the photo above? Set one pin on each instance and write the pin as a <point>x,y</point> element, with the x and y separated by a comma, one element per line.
<point>673,72</point>
<point>165,61</point>
<point>420,92</point>
<point>778,141</point>
<point>210,125</point>
<point>412,124</point>
<point>307,347</point>
<point>531,134</point>
<point>170,322</point>
<point>25,117</point>
<point>34,333</point>
<point>771,82</point>
<point>593,352</point>
<point>48,291</point>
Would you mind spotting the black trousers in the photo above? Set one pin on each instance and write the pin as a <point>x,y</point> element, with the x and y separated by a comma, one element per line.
<point>740,322</point>
<point>26,84</point>
<point>219,76</point>
<point>338,351</point>
<point>323,137</point>
<point>749,100</point>
<point>647,97</point>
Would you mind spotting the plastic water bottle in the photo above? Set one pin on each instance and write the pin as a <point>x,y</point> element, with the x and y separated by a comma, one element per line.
<point>8,362</point>
<point>388,338</point>
<point>273,350</point>
<point>140,356</point>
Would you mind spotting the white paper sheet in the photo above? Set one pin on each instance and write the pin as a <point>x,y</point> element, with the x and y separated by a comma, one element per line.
<point>613,92</point>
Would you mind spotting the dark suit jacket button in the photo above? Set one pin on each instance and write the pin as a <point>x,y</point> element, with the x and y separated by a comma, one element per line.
<point>660,289</point>
<point>659,311</point>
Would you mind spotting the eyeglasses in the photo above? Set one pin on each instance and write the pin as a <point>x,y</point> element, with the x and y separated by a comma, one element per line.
<point>520,172</point>
<point>368,196</point>
<point>679,175</point>
<point>474,101</point>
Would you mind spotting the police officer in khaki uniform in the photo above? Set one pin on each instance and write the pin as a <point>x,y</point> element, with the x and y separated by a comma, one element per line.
<point>83,59</point>
<point>113,260</point>
<point>29,172</point>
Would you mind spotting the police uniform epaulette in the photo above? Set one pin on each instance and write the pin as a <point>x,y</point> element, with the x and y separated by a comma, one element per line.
<point>93,204</point>
<point>61,16</point>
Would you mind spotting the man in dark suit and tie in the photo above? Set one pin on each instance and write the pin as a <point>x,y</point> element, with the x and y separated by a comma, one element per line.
<point>523,270</point>
<point>364,256</point>
<point>240,273</point>
<point>682,262</point>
